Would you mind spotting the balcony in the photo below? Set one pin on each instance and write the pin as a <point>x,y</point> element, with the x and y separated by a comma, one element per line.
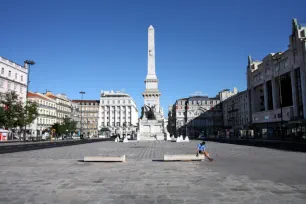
<point>47,115</point>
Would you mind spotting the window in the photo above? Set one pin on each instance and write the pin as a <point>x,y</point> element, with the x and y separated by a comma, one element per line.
<point>21,78</point>
<point>15,86</point>
<point>20,89</point>
<point>10,73</point>
<point>2,71</point>
<point>1,83</point>
<point>16,76</point>
<point>9,85</point>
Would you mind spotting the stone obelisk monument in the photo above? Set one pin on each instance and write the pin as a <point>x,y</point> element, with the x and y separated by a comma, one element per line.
<point>151,124</point>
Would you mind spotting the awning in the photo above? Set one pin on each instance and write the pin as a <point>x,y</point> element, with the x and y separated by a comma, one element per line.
<point>301,121</point>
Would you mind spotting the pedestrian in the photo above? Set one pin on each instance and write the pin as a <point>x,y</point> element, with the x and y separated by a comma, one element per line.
<point>201,150</point>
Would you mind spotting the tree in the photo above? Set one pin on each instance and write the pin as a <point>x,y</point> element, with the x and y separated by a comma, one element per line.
<point>58,129</point>
<point>11,110</point>
<point>14,114</point>
<point>68,124</point>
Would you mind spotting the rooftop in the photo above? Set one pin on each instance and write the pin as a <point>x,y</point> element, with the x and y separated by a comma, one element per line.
<point>86,101</point>
<point>114,93</point>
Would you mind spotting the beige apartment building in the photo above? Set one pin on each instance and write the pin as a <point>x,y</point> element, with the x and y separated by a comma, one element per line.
<point>88,115</point>
<point>47,110</point>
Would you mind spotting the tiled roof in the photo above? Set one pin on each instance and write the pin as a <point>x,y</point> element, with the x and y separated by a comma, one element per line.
<point>51,96</point>
<point>35,95</point>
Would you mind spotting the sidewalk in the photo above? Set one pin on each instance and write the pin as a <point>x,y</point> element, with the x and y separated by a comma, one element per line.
<point>274,144</point>
<point>25,146</point>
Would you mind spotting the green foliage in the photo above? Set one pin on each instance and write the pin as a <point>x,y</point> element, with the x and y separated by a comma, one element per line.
<point>67,124</point>
<point>31,112</point>
<point>14,114</point>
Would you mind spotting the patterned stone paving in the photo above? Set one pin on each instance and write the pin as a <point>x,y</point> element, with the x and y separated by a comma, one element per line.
<point>239,174</point>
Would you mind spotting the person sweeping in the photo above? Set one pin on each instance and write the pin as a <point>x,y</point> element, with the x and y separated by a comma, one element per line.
<point>201,150</point>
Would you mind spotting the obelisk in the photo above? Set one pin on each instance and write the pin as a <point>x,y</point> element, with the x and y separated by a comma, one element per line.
<point>151,94</point>
<point>151,122</point>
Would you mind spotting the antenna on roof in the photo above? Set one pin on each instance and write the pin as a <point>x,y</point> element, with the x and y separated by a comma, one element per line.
<point>122,90</point>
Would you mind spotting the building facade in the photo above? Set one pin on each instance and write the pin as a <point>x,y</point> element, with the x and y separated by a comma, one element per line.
<point>13,77</point>
<point>171,120</point>
<point>236,114</point>
<point>117,112</point>
<point>199,114</point>
<point>277,89</point>
<point>226,93</point>
<point>88,112</point>
<point>76,114</point>
<point>63,105</point>
<point>47,110</point>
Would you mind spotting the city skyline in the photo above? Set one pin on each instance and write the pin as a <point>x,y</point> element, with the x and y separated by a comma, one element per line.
<point>90,53</point>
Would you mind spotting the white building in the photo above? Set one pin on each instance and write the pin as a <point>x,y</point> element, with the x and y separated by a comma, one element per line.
<point>226,93</point>
<point>117,109</point>
<point>64,105</point>
<point>47,113</point>
<point>13,77</point>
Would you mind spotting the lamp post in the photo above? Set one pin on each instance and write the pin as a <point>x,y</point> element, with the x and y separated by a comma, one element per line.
<point>81,131</point>
<point>29,63</point>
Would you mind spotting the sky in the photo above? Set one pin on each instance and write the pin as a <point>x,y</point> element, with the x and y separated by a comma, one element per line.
<point>99,45</point>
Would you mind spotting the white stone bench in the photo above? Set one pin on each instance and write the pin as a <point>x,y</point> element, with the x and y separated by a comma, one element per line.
<point>184,157</point>
<point>104,159</point>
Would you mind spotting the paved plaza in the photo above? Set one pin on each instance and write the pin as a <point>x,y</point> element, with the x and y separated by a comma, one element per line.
<point>239,174</point>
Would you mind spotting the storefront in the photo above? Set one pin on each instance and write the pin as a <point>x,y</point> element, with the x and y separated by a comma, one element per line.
<point>297,129</point>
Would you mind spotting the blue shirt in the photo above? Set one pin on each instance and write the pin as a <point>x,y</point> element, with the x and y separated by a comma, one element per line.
<point>201,147</point>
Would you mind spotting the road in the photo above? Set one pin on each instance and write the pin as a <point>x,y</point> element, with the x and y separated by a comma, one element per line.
<point>238,174</point>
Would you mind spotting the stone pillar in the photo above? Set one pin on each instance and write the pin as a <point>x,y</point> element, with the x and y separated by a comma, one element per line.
<point>110,116</point>
<point>115,115</point>
<point>121,116</point>
<point>294,96</point>
<point>105,116</point>
<point>303,86</point>
<point>266,96</point>
<point>253,100</point>
<point>275,94</point>
<point>126,115</point>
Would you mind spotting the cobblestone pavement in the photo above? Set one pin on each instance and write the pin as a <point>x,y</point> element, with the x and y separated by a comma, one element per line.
<point>239,174</point>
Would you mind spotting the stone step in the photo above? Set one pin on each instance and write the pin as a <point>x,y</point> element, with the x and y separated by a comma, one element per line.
<point>184,157</point>
<point>104,159</point>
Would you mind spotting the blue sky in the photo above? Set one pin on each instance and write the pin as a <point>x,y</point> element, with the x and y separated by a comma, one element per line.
<point>102,45</point>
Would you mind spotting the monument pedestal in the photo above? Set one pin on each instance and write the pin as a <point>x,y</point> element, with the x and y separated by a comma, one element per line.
<point>151,130</point>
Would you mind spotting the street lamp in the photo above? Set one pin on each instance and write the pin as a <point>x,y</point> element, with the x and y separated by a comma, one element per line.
<point>29,63</point>
<point>81,131</point>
